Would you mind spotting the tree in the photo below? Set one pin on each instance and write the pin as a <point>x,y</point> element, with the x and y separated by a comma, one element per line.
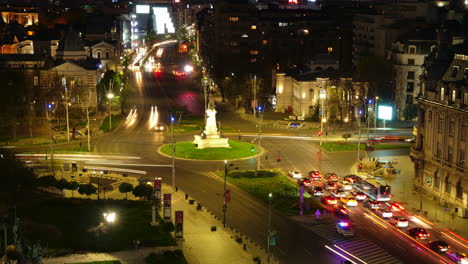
<point>143,190</point>
<point>411,111</point>
<point>125,187</point>
<point>47,181</point>
<point>72,186</point>
<point>346,136</point>
<point>87,189</point>
<point>62,184</point>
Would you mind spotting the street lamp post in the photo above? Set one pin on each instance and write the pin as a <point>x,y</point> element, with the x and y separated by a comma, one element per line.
<point>270,195</point>
<point>375,113</point>
<point>226,171</point>
<point>110,95</point>
<point>323,95</point>
<point>51,139</point>
<point>66,112</point>
<point>173,153</point>
<point>259,138</point>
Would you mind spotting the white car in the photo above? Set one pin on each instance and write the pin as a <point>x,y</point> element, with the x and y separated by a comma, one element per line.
<point>399,221</point>
<point>384,213</point>
<point>344,229</point>
<point>347,186</point>
<point>295,174</point>
<point>339,193</point>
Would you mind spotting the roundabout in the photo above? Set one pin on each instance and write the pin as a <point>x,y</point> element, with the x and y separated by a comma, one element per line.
<point>188,150</point>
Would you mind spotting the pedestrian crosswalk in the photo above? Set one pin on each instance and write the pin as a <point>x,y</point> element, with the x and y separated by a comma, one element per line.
<point>357,245</point>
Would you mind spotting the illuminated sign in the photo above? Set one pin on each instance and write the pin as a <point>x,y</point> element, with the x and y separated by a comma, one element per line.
<point>385,112</point>
<point>142,9</point>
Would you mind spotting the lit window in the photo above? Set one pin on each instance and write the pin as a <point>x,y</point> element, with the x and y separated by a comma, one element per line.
<point>36,81</point>
<point>245,36</point>
<point>233,19</point>
<point>30,33</point>
<point>454,95</point>
<point>305,31</point>
<point>253,27</point>
<point>442,93</point>
<point>234,44</point>
<point>265,42</point>
<point>330,49</point>
<point>254,52</point>
<point>282,24</point>
<point>253,60</point>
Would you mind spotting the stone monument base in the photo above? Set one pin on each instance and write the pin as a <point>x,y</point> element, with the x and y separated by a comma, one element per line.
<point>203,143</point>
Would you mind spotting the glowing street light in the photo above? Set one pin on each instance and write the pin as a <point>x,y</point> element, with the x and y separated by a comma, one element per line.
<point>110,96</point>
<point>110,217</point>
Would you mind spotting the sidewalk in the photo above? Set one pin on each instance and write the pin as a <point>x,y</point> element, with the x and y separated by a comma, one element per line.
<point>203,246</point>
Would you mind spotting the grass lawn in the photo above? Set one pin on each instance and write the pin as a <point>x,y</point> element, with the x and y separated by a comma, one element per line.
<point>72,224</point>
<point>168,257</point>
<point>331,147</point>
<point>187,150</point>
<point>285,192</point>
<point>115,123</point>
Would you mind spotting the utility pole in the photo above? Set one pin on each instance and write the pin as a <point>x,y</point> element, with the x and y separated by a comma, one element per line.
<point>205,88</point>
<point>322,96</point>
<point>375,113</point>
<point>224,196</point>
<point>359,140</point>
<point>173,153</point>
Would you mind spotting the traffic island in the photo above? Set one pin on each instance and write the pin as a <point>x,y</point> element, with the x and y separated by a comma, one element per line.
<point>188,150</point>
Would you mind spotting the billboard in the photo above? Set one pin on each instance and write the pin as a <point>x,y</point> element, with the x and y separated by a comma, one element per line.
<point>385,112</point>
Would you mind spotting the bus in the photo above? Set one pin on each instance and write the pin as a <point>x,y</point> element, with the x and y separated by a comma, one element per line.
<point>372,188</point>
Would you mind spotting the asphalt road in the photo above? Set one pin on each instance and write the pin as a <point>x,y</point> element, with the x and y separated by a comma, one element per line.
<point>298,241</point>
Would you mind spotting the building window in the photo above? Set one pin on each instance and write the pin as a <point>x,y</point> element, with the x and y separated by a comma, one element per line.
<point>244,36</point>
<point>410,87</point>
<point>410,75</point>
<point>409,99</point>
<point>436,180</point>
<point>265,42</point>
<point>451,128</point>
<point>455,72</point>
<point>234,44</point>
<point>459,190</point>
<point>282,24</point>
<point>448,185</point>
<point>450,153</point>
<point>99,55</point>
<point>233,19</point>
<point>465,74</point>
<point>253,27</point>
<point>412,49</point>
<point>410,61</point>
<point>36,81</point>
<point>463,132</point>
<point>461,158</point>
<point>429,117</point>
<point>254,52</point>
<point>107,54</point>
<point>442,93</point>
<point>330,49</point>
<point>454,95</point>
<point>311,94</point>
<point>465,98</point>
<point>433,48</point>
<point>440,125</point>
<point>438,150</point>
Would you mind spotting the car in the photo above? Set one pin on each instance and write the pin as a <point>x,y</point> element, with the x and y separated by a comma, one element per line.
<point>394,206</point>
<point>457,257</point>
<point>399,221</point>
<point>330,186</point>
<point>295,174</point>
<point>345,185</point>
<point>160,127</point>
<point>410,140</point>
<point>305,182</point>
<point>329,200</point>
<point>315,175</point>
<point>360,196</point>
<point>418,232</point>
<point>294,125</point>
<point>332,177</point>
<point>344,229</point>
<point>384,213</point>
<point>349,201</point>
<point>372,204</point>
<point>317,191</point>
<point>438,246</point>
<point>338,193</point>
<point>350,178</point>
